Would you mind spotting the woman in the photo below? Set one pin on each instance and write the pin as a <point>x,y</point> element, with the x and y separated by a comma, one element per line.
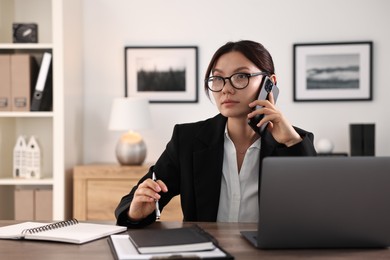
<point>215,164</point>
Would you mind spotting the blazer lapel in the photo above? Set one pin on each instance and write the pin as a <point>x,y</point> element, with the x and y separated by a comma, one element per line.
<point>208,160</point>
<point>268,144</point>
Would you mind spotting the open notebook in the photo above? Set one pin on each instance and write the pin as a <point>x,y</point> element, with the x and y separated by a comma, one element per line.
<point>70,231</point>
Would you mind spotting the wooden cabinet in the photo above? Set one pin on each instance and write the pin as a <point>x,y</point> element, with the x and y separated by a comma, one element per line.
<point>98,188</point>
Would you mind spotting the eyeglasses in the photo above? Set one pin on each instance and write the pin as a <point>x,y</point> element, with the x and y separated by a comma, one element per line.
<point>237,80</point>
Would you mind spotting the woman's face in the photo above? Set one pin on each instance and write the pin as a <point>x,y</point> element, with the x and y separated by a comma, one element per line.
<point>233,102</point>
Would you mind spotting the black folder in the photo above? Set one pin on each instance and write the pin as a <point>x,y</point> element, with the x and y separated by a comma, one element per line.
<point>42,96</point>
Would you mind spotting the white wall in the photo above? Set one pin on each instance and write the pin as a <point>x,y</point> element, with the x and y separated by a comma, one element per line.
<point>109,26</point>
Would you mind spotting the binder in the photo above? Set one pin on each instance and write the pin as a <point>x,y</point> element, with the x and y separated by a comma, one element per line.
<point>42,96</point>
<point>23,76</point>
<point>5,82</point>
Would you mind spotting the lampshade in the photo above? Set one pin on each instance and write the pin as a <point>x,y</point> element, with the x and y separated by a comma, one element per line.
<point>129,114</point>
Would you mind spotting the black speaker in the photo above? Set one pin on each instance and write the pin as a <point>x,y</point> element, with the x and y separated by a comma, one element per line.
<point>362,139</point>
<point>25,32</point>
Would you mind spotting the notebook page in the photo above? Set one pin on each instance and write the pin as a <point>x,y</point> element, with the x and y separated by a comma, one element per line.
<point>78,233</point>
<point>15,230</point>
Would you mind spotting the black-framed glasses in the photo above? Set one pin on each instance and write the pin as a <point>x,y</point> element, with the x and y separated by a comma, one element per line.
<point>237,80</point>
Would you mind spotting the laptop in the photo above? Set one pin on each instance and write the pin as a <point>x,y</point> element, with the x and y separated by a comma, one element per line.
<point>323,202</point>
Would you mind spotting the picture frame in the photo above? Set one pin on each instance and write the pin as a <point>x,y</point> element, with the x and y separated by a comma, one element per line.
<point>339,71</point>
<point>162,74</point>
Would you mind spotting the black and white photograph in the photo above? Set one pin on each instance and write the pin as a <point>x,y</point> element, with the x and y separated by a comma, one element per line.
<point>333,71</point>
<point>162,74</point>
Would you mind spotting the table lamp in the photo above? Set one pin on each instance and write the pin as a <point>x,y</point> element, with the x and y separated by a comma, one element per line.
<point>130,114</point>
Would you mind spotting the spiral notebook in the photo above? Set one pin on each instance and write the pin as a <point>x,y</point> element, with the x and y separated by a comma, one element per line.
<point>70,231</point>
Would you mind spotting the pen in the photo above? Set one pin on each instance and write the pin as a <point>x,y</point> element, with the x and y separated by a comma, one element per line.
<point>157,206</point>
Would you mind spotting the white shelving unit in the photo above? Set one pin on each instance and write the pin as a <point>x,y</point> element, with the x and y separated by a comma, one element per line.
<point>59,33</point>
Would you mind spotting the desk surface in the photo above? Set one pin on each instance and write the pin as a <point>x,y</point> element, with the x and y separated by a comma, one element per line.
<point>227,234</point>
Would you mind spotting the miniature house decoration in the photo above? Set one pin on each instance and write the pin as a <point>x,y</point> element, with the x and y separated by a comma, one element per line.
<point>33,159</point>
<point>19,158</point>
<point>27,158</point>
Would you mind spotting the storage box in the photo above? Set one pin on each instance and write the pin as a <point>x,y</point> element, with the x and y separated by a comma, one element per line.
<point>24,204</point>
<point>33,204</point>
<point>43,204</point>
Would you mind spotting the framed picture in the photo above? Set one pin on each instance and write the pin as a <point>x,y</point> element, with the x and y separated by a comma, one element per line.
<point>162,74</point>
<point>333,71</point>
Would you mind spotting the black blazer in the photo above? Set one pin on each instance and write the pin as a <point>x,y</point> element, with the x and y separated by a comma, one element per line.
<point>191,166</point>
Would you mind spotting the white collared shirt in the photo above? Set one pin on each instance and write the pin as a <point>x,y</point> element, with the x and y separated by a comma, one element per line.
<point>238,200</point>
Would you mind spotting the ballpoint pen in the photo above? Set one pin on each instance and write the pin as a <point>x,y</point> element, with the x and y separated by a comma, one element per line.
<point>157,205</point>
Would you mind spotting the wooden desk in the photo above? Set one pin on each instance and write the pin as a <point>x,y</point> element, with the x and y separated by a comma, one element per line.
<point>227,234</point>
<point>98,188</point>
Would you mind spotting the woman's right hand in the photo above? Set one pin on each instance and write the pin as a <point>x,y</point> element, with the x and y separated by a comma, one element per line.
<point>144,201</point>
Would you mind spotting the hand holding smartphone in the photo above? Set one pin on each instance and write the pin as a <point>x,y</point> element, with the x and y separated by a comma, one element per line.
<point>267,87</point>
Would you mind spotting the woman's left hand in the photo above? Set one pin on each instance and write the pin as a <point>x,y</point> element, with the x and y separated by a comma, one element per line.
<point>278,125</point>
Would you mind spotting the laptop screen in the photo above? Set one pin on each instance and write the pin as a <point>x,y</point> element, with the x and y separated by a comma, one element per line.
<point>324,202</point>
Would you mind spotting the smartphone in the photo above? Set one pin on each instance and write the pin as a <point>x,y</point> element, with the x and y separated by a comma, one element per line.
<point>267,86</point>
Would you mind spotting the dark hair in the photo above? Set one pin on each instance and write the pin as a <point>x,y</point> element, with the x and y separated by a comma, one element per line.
<point>253,51</point>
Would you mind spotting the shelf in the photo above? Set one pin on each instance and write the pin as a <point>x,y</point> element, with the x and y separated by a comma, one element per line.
<point>26,46</point>
<point>11,181</point>
<point>26,114</point>
<point>60,34</point>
